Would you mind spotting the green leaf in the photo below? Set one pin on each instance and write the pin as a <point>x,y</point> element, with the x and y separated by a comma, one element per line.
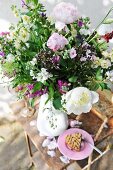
<point>95,86</point>
<point>103,86</point>
<point>31,102</point>
<point>99,75</point>
<point>57,103</point>
<point>72,79</point>
<point>37,86</point>
<point>108,21</point>
<point>51,91</point>
<point>2,139</point>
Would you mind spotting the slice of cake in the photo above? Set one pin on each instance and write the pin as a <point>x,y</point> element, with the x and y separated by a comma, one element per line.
<point>73,141</point>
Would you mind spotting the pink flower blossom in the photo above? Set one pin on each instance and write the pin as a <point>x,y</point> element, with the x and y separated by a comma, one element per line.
<point>65,13</point>
<point>56,59</point>
<point>20,87</point>
<point>73,53</point>
<point>56,42</point>
<point>4,33</point>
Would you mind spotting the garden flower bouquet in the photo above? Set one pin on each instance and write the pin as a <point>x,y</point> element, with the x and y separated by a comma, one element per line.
<point>58,59</point>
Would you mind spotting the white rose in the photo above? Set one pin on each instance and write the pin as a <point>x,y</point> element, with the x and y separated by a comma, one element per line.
<point>80,100</point>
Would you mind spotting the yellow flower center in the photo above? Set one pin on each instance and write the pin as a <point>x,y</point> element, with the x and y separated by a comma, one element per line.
<point>84,99</point>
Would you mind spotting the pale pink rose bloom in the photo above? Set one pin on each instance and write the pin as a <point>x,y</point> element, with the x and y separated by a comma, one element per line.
<point>65,12</point>
<point>73,53</point>
<point>56,42</point>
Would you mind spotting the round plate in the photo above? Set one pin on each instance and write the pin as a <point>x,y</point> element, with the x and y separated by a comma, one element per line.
<point>84,153</point>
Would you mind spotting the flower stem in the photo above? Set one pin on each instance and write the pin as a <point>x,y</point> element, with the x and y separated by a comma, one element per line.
<point>89,39</point>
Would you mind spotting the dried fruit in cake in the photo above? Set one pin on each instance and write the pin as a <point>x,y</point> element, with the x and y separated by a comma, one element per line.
<point>73,141</point>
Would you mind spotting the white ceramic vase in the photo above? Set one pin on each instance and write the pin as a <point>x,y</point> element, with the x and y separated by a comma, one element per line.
<point>50,122</point>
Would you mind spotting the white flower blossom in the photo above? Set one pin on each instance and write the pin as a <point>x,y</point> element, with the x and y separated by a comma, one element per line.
<point>51,153</point>
<point>10,57</point>
<point>43,75</point>
<point>105,63</point>
<point>110,75</point>
<point>97,62</point>
<point>46,142</point>
<point>24,35</point>
<point>17,44</point>
<point>32,73</point>
<point>80,100</point>
<point>52,145</point>
<point>26,19</point>
<point>34,61</point>
<point>84,31</point>
<point>64,159</point>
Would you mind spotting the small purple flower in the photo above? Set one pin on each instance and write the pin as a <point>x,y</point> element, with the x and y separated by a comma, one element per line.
<point>37,93</point>
<point>73,53</point>
<point>56,59</point>
<point>43,14</point>
<point>30,86</point>
<point>23,3</point>
<point>80,23</point>
<point>2,54</point>
<point>62,86</point>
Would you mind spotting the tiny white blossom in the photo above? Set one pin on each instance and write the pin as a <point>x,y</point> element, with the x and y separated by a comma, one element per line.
<point>43,75</point>
<point>97,62</point>
<point>31,73</point>
<point>84,31</point>
<point>34,61</point>
<point>110,75</point>
<point>26,19</point>
<point>24,34</point>
<point>52,145</point>
<point>46,142</point>
<point>105,63</point>
<point>51,153</point>
<point>64,159</point>
<point>17,44</point>
<point>10,57</point>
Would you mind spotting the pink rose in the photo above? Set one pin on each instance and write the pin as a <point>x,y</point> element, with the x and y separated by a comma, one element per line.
<point>56,42</point>
<point>65,13</point>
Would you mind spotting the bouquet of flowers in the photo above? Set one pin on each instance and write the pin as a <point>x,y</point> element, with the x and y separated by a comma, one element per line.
<point>59,57</point>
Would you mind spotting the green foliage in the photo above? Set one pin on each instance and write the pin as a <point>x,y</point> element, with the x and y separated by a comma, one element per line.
<point>57,102</point>
<point>27,44</point>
